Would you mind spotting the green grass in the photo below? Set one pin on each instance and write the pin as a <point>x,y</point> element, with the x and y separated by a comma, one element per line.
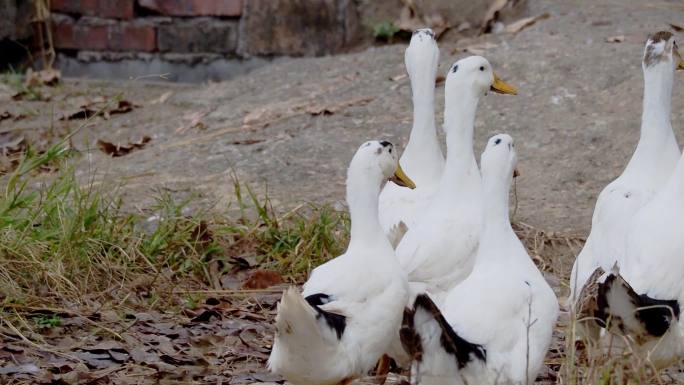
<point>62,240</point>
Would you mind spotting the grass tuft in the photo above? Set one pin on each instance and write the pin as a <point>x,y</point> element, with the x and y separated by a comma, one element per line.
<point>63,242</point>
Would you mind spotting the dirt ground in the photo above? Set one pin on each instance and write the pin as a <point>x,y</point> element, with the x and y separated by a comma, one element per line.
<point>291,127</point>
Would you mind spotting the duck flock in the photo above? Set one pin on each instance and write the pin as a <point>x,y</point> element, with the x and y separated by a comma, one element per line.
<point>434,276</point>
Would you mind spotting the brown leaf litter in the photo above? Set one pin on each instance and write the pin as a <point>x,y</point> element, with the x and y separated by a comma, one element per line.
<point>222,340</point>
<point>116,150</point>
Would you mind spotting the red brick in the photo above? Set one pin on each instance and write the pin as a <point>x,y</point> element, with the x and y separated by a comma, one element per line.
<point>68,35</point>
<point>128,37</point>
<point>231,8</point>
<point>113,9</point>
<point>122,36</point>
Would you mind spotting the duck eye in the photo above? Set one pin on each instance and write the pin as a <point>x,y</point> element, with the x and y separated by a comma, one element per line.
<point>453,70</point>
<point>497,141</point>
<point>390,150</point>
<point>481,68</point>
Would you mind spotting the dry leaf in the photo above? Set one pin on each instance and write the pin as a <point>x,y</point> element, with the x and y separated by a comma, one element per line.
<point>246,142</point>
<point>615,39</point>
<point>397,78</point>
<point>262,279</point>
<point>195,119</point>
<point>163,98</point>
<point>677,27</point>
<point>521,24</point>
<point>119,150</point>
<point>48,77</point>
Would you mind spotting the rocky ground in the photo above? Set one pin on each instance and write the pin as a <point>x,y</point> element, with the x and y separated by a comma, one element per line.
<point>291,127</point>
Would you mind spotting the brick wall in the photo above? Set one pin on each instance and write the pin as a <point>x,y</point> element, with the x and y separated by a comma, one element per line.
<point>239,28</point>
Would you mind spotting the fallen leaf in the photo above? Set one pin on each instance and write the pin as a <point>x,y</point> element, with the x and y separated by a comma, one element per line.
<point>262,279</point>
<point>163,98</point>
<point>16,369</point>
<point>615,39</point>
<point>119,150</point>
<point>123,106</point>
<point>246,142</point>
<point>195,119</point>
<point>48,77</point>
<point>397,78</point>
<point>523,23</point>
<point>78,114</point>
<point>677,27</point>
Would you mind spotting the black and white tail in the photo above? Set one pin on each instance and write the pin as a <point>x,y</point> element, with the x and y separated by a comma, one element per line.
<point>622,310</point>
<point>438,352</point>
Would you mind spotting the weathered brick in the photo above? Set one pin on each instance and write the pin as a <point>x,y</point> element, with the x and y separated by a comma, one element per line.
<point>100,35</point>
<point>115,9</point>
<point>198,35</point>
<point>131,37</point>
<point>68,34</point>
<point>230,8</point>
<point>297,27</point>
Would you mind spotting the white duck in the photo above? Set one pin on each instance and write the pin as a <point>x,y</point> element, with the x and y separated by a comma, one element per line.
<point>438,252</point>
<point>496,326</point>
<point>649,168</point>
<point>422,158</point>
<point>644,298</point>
<point>350,308</point>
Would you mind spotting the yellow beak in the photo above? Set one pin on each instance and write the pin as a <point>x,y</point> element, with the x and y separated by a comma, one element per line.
<point>681,65</point>
<point>401,179</point>
<point>501,87</point>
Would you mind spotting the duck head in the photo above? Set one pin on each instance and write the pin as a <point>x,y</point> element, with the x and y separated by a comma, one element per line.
<point>378,161</point>
<point>422,58</point>
<point>661,50</point>
<point>475,74</point>
<point>499,159</point>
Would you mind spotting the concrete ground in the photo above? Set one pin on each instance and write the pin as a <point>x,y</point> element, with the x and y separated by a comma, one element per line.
<point>291,127</point>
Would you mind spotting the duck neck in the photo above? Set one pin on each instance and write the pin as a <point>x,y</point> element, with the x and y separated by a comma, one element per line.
<point>496,211</point>
<point>459,121</point>
<point>362,198</point>
<point>423,147</point>
<point>656,129</point>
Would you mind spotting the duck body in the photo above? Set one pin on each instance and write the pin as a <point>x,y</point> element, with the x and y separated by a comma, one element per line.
<point>648,170</point>
<point>642,295</point>
<point>501,317</point>
<point>350,308</point>
<point>423,156</point>
<point>646,293</point>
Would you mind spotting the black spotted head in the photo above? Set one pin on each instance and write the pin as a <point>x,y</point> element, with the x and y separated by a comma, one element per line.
<point>378,160</point>
<point>499,158</point>
<point>661,49</point>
